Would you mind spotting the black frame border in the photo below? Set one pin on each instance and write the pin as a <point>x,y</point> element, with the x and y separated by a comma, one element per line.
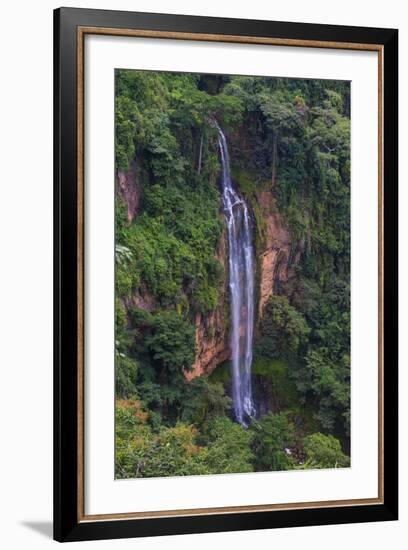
<point>66,524</point>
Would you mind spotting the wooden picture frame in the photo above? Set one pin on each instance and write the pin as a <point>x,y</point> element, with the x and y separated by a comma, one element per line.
<point>70,28</point>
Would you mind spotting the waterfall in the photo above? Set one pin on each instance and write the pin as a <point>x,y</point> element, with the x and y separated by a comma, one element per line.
<point>241,284</point>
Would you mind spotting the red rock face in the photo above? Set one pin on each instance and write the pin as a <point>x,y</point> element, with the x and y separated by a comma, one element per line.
<point>127,181</point>
<point>212,343</point>
<point>143,300</point>
<point>275,256</point>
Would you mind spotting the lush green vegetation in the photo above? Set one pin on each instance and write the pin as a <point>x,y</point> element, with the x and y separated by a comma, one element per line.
<point>290,138</point>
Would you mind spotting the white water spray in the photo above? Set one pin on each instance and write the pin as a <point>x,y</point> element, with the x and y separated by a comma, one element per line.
<point>241,284</point>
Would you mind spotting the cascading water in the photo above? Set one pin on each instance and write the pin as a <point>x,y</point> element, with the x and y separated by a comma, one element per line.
<point>241,284</point>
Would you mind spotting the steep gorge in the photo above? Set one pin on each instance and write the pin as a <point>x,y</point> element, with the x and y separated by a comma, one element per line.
<point>288,148</point>
<point>275,259</point>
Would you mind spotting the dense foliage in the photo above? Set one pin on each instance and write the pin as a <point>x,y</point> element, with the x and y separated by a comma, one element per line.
<point>288,137</point>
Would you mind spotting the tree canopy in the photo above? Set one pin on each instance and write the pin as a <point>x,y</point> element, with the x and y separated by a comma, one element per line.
<point>289,138</point>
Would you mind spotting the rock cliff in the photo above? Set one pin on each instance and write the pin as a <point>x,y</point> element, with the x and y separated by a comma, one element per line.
<point>275,254</point>
<point>212,344</point>
<point>275,259</point>
<point>127,183</point>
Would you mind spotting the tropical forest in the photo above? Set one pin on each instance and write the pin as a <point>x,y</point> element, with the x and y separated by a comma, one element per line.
<point>232,274</point>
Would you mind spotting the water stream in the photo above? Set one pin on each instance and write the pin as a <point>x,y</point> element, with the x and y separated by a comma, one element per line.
<point>241,285</point>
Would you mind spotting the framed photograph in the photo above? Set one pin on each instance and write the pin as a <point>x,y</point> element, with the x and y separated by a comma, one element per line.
<point>225,274</point>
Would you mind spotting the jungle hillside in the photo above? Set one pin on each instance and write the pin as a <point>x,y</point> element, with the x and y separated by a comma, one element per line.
<point>197,155</point>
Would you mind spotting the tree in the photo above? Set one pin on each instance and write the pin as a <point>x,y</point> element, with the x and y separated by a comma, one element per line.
<point>204,401</point>
<point>228,447</point>
<point>273,435</point>
<point>173,451</point>
<point>330,381</point>
<point>324,451</point>
<point>282,118</point>
<point>283,329</point>
<point>170,452</point>
<point>172,343</point>
<point>125,375</point>
<point>125,129</point>
<point>142,452</point>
